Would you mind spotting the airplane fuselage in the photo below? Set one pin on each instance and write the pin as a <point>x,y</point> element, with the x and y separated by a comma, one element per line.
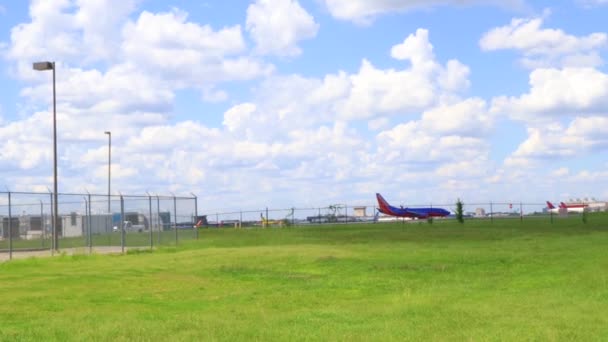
<point>388,209</point>
<point>570,208</point>
<point>575,209</point>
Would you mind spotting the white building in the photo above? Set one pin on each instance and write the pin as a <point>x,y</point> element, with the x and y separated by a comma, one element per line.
<point>359,211</point>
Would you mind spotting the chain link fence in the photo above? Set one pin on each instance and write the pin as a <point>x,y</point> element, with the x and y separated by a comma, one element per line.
<point>347,214</point>
<point>92,222</point>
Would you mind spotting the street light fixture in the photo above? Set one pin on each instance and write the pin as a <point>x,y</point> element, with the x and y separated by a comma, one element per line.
<point>109,168</point>
<point>42,66</point>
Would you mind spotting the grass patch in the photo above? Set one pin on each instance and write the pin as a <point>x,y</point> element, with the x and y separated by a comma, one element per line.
<point>482,280</point>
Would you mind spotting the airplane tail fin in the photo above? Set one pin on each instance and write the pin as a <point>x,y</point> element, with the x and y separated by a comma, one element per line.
<point>550,205</point>
<point>562,205</point>
<point>382,203</point>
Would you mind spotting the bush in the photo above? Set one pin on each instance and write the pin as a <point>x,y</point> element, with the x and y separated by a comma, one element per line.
<point>459,211</point>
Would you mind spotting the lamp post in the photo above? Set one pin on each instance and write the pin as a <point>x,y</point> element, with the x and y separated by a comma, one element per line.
<point>109,169</point>
<point>42,66</point>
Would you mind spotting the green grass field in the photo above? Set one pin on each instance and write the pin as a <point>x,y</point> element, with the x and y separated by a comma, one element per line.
<point>505,280</point>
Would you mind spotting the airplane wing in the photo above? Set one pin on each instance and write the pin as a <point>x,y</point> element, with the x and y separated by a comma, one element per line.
<point>416,214</point>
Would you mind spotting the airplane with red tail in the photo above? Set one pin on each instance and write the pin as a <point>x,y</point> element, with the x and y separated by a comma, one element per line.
<point>551,208</point>
<point>574,207</point>
<point>419,213</point>
<point>571,208</point>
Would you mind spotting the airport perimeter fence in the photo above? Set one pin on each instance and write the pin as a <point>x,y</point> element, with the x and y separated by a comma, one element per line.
<point>350,214</point>
<point>93,222</point>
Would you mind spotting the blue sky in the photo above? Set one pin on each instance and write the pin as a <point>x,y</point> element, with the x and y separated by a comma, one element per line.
<point>287,103</point>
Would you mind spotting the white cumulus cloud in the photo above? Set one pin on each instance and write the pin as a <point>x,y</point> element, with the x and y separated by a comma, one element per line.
<point>543,47</point>
<point>575,96</point>
<point>379,91</point>
<point>371,93</point>
<point>558,92</point>
<point>188,53</point>
<point>70,30</point>
<point>277,26</point>
<point>581,136</point>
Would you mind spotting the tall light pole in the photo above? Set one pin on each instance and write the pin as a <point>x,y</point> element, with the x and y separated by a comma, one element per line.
<point>109,168</point>
<point>41,66</point>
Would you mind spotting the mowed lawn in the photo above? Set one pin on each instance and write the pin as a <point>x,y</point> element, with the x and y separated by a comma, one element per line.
<point>479,281</point>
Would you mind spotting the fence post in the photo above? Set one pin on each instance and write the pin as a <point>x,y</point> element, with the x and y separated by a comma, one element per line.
<point>42,225</point>
<point>491,213</point>
<point>53,223</point>
<point>346,213</point>
<point>122,224</point>
<point>175,218</point>
<point>150,221</point>
<point>158,219</point>
<point>375,217</point>
<point>109,221</point>
<point>319,216</point>
<point>521,212</point>
<point>195,215</point>
<point>10,229</point>
<point>86,223</point>
<point>90,226</point>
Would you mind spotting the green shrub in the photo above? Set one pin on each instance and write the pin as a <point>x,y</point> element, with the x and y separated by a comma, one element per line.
<point>459,211</point>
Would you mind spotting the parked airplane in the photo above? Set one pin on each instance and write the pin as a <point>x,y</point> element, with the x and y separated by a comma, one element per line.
<point>551,208</point>
<point>574,207</point>
<point>420,213</point>
<point>571,208</point>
